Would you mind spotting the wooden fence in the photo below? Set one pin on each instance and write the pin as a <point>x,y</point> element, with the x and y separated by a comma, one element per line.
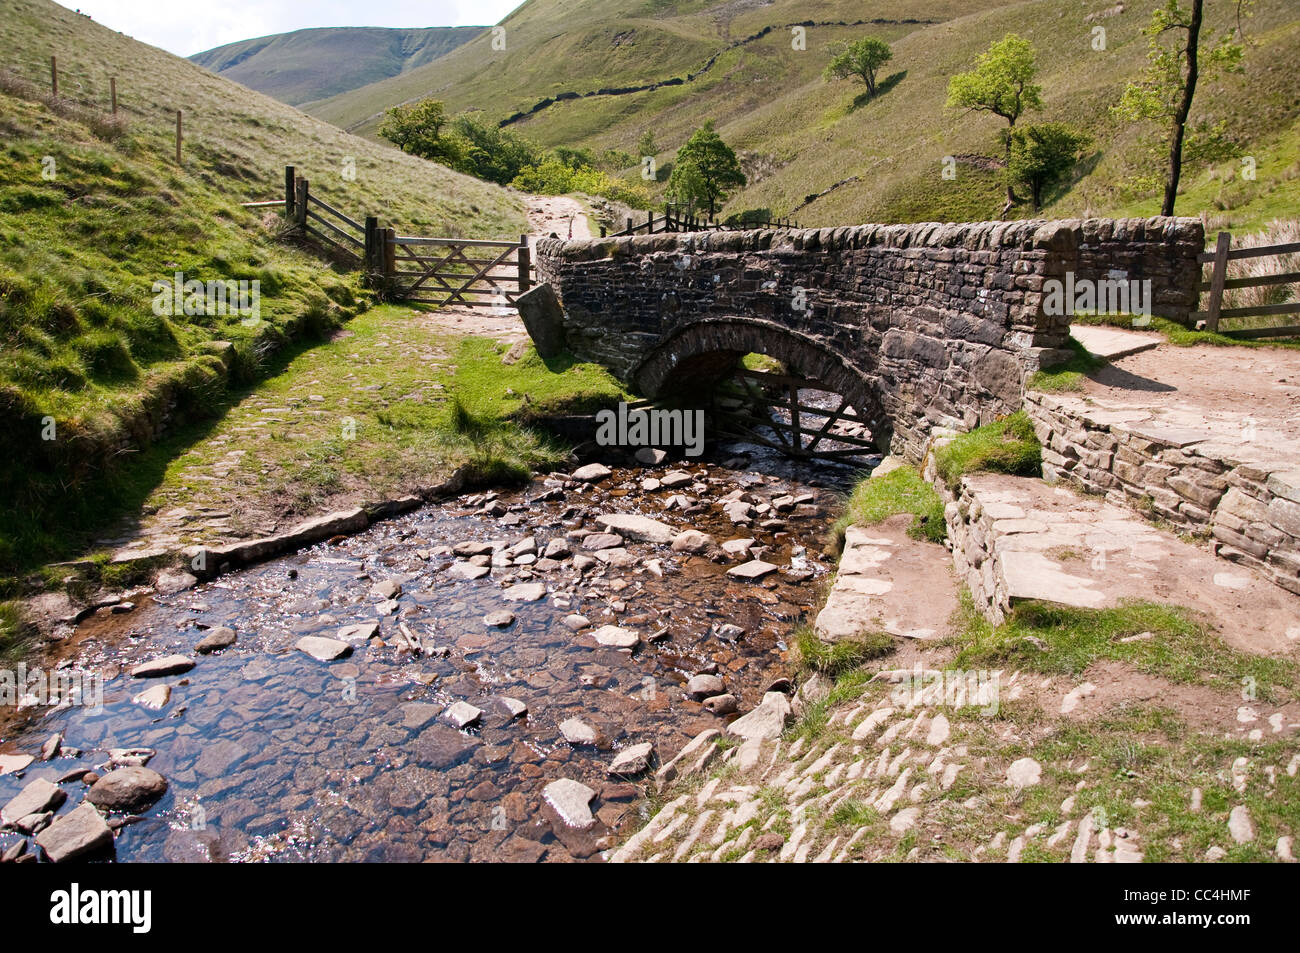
<point>677,218</point>
<point>439,271</point>
<point>1219,282</point>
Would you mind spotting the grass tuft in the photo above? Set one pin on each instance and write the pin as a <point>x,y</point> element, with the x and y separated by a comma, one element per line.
<point>899,491</point>
<point>1007,445</point>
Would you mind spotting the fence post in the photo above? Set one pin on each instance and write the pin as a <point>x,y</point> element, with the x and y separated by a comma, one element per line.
<point>1217,279</point>
<point>289,194</point>
<point>650,222</point>
<point>629,225</point>
<point>178,138</point>
<point>112,92</point>
<point>602,231</point>
<point>300,203</point>
<point>390,258</point>
<point>374,258</point>
<point>525,264</point>
<point>54,76</point>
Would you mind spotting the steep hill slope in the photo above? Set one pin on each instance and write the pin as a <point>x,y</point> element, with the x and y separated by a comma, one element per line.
<point>314,64</point>
<point>734,62</point>
<point>94,211</point>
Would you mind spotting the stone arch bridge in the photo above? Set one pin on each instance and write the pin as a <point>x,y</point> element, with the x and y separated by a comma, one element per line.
<point>917,325</point>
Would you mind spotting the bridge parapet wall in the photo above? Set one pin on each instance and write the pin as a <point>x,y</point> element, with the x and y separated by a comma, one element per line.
<point>941,323</point>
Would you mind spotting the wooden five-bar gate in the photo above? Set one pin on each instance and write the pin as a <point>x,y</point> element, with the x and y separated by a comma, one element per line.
<point>1219,282</point>
<point>467,272</point>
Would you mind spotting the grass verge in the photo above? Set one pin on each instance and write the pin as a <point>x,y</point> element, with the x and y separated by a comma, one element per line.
<point>1007,445</point>
<point>899,491</point>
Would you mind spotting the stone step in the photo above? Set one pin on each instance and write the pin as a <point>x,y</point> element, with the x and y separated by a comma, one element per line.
<point>1018,538</point>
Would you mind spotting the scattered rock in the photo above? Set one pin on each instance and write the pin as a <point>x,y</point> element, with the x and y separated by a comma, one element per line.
<point>675,478</point>
<point>37,796</point>
<point>128,790</point>
<point>704,686</point>
<point>592,473</point>
<point>172,581</point>
<point>463,714</point>
<point>632,760</point>
<point>634,526</point>
<point>599,541</point>
<point>216,639</point>
<point>155,697</point>
<point>514,706</point>
<point>1024,773</point>
<point>499,619</point>
<point>388,589</point>
<point>769,841</point>
<point>525,592</point>
<point>1240,825</point>
<point>577,732</point>
<point>576,623</point>
<point>78,833</point>
<point>571,800</point>
<point>53,745</point>
<point>768,720</point>
<point>693,541</point>
<point>323,649</point>
<point>722,704</point>
<point>650,456</point>
<point>13,763</point>
<point>167,665</point>
<point>361,632</point>
<point>751,571</point>
<point>616,637</point>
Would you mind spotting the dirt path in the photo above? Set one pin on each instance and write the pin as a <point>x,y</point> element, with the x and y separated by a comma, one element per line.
<point>547,215</point>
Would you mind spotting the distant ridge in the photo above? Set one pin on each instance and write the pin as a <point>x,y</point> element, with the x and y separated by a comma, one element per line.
<point>306,65</point>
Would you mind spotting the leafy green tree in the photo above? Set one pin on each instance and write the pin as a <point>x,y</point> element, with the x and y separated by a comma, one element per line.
<point>490,152</point>
<point>1042,154</point>
<point>705,171</point>
<point>861,58</point>
<point>418,129</point>
<point>1168,85</point>
<point>1002,83</point>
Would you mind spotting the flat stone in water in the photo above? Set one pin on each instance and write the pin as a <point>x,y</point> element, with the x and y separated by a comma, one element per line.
<point>499,619</point>
<point>469,571</point>
<point>155,697</point>
<point>578,732</point>
<point>39,795</point>
<point>753,570</point>
<point>78,833</point>
<point>571,800</point>
<point>525,592</point>
<point>632,760</point>
<point>167,665</point>
<point>617,637</point>
<point>218,638</point>
<point>635,526</point>
<point>592,472</point>
<point>323,649</point>
<point>463,714</point>
<point>598,541</point>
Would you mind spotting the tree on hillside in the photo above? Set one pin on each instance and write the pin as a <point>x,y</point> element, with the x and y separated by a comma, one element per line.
<point>646,145</point>
<point>706,170</point>
<point>490,152</point>
<point>1168,85</point>
<point>1042,154</point>
<point>861,58</point>
<point>418,129</point>
<point>1002,83</point>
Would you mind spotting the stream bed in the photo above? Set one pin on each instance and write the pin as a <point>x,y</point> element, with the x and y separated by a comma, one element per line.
<point>272,754</point>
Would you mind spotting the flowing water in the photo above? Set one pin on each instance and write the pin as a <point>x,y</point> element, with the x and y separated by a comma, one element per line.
<point>270,754</point>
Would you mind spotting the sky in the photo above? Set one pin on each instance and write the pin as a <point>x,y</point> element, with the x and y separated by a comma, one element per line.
<point>185,27</point>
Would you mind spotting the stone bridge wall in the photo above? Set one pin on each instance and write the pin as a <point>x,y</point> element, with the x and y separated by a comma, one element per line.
<point>920,325</point>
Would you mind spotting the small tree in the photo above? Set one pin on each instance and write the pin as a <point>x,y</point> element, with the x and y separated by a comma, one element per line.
<point>1043,153</point>
<point>646,145</point>
<point>1002,83</point>
<point>861,58</point>
<point>1168,85</point>
<point>706,170</point>
<point>418,129</point>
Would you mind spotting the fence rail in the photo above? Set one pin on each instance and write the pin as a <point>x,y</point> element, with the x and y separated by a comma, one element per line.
<point>470,272</point>
<point>676,218</point>
<point>1219,282</point>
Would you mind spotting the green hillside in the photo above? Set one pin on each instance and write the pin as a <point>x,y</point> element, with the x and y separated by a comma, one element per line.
<point>94,210</point>
<point>314,64</point>
<point>800,136</point>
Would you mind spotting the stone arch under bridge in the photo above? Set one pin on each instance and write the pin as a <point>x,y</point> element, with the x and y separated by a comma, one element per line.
<point>928,325</point>
<point>698,354</point>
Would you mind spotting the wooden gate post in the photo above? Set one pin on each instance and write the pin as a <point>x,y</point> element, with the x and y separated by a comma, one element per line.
<point>650,222</point>
<point>1217,279</point>
<point>374,261</point>
<point>525,264</point>
<point>300,203</point>
<point>54,76</point>
<point>289,197</point>
<point>179,160</point>
<point>390,259</point>
<point>112,92</point>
